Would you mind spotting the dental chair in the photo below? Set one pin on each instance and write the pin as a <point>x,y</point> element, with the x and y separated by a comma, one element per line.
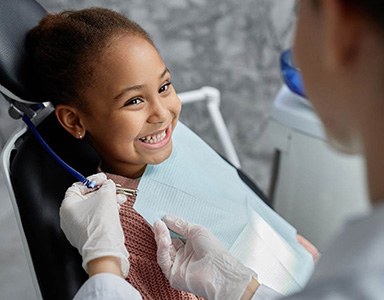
<point>35,181</point>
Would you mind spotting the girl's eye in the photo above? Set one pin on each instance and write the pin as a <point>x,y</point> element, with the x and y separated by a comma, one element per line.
<point>133,101</point>
<point>164,87</point>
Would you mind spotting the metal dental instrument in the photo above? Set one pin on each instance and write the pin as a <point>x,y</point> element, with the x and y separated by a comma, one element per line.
<point>175,235</point>
<point>125,191</point>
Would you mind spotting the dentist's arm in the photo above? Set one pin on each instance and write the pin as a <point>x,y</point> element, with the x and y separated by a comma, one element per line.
<point>90,220</point>
<point>202,266</point>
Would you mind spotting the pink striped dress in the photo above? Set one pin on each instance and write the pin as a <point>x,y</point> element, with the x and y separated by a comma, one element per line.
<point>144,273</point>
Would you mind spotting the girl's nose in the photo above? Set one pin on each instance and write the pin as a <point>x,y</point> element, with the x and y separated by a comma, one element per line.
<point>158,111</point>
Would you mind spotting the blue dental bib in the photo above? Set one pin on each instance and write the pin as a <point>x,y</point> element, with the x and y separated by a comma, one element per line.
<point>198,185</point>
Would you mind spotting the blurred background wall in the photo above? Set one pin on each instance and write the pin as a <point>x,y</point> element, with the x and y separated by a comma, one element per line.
<point>233,45</point>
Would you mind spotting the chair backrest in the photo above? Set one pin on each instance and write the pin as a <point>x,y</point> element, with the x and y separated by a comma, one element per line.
<point>37,181</point>
<point>39,184</point>
<point>16,19</point>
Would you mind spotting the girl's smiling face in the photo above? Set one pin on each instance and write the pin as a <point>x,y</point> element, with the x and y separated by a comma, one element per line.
<point>132,109</point>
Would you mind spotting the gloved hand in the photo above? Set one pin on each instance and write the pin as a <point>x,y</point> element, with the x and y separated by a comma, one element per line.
<point>201,266</point>
<point>91,222</point>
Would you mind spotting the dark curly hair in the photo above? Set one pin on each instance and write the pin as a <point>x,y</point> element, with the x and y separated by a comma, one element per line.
<point>65,47</point>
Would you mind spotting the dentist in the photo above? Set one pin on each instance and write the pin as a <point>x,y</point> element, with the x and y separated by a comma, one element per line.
<point>339,47</point>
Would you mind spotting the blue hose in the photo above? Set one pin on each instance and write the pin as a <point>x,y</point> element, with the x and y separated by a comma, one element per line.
<point>90,184</point>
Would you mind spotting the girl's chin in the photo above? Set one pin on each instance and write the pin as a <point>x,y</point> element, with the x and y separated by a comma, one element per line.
<point>158,158</point>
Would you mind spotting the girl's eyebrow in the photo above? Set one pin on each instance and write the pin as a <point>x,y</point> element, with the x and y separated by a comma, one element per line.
<point>139,86</point>
<point>166,70</point>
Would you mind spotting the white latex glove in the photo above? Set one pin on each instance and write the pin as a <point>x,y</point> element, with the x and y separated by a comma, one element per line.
<point>91,222</point>
<point>201,266</point>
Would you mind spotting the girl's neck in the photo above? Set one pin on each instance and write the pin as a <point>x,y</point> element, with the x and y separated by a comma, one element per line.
<point>131,171</point>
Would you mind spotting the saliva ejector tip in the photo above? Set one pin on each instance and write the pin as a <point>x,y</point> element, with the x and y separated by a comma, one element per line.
<point>90,184</point>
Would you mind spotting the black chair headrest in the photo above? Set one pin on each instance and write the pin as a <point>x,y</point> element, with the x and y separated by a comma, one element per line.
<point>17,17</point>
<point>39,184</point>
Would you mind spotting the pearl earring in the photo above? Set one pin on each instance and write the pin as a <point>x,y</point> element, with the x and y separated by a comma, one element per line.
<point>80,136</point>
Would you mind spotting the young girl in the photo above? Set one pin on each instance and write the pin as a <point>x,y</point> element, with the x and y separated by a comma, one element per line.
<point>110,87</point>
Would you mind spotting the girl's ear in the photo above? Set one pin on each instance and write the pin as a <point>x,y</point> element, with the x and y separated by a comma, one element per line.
<point>69,118</point>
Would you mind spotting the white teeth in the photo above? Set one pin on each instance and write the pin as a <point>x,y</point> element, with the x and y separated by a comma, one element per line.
<point>153,139</point>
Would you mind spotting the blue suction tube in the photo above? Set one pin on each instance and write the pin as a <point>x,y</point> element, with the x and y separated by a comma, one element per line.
<point>90,184</point>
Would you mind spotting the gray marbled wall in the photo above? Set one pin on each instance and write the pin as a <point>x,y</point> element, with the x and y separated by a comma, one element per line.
<point>232,45</point>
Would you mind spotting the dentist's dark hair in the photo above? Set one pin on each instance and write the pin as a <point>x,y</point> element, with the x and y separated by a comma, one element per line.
<point>64,49</point>
<point>373,9</point>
